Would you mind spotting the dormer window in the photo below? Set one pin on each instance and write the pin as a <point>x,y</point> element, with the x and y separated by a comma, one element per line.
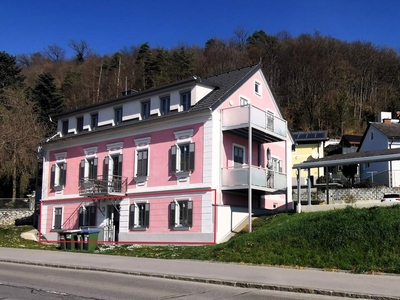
<point>164,105</point>
<point>79,124</point>
<point>65,127</point>
<point>117,115</point>
<point>94,121</point>
<point>185,101</point>
<point>145,110</point>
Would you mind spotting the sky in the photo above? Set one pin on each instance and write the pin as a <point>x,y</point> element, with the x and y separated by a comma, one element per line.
<point>29,26</point>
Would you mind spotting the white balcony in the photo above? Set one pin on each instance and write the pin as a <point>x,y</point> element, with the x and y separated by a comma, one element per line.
<point>268,127</point>
<point>263,179</point>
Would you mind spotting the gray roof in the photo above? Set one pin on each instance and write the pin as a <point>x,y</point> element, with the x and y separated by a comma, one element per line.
<point>351,158</point>
<point>227,84</point>
<point>388,129</point>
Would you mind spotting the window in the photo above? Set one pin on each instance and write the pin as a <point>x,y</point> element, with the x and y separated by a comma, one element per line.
<point>139,216</point>
<point>165,105</point>
<point>145,110</point>
<point>94,121</point>
<point>277,165</point>
<point>270,120</point>
<point>88,168</point>
<point>79,124</point>
<point>238,156</point>
<point>87,216</point>
<point>57,217</point>
<point>112,172</point>
<point>142,163</point>
<point>257,88</point>
<point>58,174</point>
<point>117,116</point>
<point>65,127</point>
<point>185,101</point>
<point>182,158</point>
<point>181,213</point>
<point>243,101</point>
<point>372,135</point>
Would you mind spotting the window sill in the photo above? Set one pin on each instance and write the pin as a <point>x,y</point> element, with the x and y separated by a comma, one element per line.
<point>180,174</point>
<point>139,229</point>
<point>58,188</point>
<point>181,228</point>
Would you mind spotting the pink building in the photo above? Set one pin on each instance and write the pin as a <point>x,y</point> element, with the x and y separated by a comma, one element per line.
<point>184,163</point>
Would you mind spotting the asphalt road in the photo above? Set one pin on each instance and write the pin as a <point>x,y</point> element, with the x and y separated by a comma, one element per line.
<point>27,282</point>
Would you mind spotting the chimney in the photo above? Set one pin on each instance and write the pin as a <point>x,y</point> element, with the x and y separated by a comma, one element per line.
<point>387,121</point>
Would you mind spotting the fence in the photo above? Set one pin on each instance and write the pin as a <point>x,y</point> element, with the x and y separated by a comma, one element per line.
<point>17,203</point>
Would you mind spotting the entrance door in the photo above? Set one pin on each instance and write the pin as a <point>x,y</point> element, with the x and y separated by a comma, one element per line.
<point>113,216</point>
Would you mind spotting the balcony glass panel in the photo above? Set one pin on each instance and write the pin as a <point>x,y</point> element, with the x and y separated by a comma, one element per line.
<point>235,116</point>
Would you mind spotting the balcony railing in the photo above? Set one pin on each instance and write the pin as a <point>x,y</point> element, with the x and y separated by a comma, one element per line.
<point>264,178</point>
<point>266,121</point>
<point>103,185</point>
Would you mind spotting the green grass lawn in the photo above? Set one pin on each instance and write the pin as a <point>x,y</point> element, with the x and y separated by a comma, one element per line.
<point>358,240</point>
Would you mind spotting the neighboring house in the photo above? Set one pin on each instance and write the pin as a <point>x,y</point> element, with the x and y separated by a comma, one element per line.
<point>349,143</point>
<point>380,136</point>
<point>169,165</point>
<point>309,146</point>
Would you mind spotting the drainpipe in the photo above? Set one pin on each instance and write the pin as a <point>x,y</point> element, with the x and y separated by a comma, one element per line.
<point>250,179</point>
<point>298,192</point>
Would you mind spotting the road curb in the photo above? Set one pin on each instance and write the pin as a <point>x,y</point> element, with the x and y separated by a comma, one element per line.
<point>240,284</point>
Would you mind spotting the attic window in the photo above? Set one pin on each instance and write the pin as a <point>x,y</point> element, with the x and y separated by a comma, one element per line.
<point>372,135</point>
<point>257,88</point>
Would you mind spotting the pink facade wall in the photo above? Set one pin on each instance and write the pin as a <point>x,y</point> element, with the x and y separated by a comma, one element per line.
<point>159,214</point>
<point>160,145</point>
<point>265,102</point>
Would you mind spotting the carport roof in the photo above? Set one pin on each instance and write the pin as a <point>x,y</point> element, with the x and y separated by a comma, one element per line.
<point>351,159</point>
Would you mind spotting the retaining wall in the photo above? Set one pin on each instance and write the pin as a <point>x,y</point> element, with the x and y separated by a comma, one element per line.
<point>8,216</point>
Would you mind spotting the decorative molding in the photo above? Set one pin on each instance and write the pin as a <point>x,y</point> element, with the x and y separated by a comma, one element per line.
<point>115,147</point>
<point>142,142</point>
<point>60,156</point>
<point>92,151</point>
<point>183,134</point>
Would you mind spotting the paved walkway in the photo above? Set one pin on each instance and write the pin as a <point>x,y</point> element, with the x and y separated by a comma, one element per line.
<point>383,287</point>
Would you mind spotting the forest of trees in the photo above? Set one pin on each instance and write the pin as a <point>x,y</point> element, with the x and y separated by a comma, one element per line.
<point>320,83</point>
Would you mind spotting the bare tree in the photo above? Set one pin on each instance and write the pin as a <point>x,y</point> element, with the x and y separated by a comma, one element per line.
<point>54,52</point>
<point>81,48</point>
<point>20,134</point>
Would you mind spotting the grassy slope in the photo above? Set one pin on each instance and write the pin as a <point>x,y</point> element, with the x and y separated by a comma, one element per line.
<point>360,240</point>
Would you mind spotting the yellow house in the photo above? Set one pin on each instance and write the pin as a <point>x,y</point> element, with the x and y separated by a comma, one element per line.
<point>309,145</point>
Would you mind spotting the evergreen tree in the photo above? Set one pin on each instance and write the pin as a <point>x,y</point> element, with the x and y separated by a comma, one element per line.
<point>10,72</point>
<point>48,99</point>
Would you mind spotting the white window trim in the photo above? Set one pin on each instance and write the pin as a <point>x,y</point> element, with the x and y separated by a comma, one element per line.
<point>54,217</point>
<point>60,159</point>
<point>178,226</point>
<point>136,216</point>
<point>244,98</point>
<point>142,144</point>
<point>233,154</point>
<point>259,93</point>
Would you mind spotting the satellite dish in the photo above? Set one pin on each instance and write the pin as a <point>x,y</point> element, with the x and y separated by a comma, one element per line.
<point>315,155</point>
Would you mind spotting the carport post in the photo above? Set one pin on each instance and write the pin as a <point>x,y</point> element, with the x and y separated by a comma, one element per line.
<point>327,185</point>
<point>309,186</point>
<point>298,192</point>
